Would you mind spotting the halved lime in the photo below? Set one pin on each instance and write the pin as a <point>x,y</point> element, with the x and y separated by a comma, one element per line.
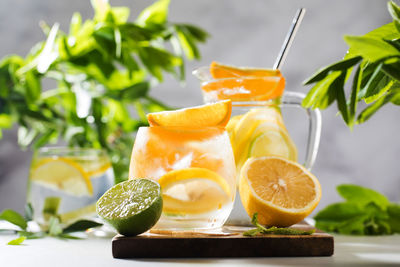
<point>131,207</point>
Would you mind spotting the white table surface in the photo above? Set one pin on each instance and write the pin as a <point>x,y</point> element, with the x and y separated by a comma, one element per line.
<point>94,251</point>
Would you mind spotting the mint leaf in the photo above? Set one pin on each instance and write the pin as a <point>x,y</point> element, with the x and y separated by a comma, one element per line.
<point>362,195</point>
<point>273,230</point>
<point>14,218</point>
<point>17,241</point>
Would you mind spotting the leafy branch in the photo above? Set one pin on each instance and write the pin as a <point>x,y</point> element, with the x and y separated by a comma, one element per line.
<point>373,62</point>
<point>90,86</point>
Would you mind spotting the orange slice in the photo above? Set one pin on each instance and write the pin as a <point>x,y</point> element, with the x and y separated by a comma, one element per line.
<point>216,114</point>
<point>219,71</point>
<point>281,191</point>
<point>243,84</point>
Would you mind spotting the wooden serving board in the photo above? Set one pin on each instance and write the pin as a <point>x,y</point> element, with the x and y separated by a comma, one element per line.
<point>228,242</point>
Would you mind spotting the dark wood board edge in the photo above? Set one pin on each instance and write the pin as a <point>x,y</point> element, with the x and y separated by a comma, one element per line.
<point>223,247</point>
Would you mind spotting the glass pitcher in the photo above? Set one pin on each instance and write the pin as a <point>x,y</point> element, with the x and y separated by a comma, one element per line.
<point>260,126</point>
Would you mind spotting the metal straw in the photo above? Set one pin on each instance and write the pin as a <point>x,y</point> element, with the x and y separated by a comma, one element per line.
<point>289,37</point>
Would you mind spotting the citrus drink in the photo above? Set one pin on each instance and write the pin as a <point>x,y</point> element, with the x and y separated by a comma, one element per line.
<point>196,170</point>
<point>67,182</point>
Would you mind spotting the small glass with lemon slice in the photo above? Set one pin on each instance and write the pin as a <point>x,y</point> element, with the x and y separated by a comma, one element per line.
<point>196,170</point>
<point>257,127</point>
<point>67,182</point>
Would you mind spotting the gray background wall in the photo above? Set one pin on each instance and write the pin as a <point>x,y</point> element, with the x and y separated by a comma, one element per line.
<point>246,33</point>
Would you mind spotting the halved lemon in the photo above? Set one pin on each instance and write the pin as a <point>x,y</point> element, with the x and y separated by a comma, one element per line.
<point>281,191</point>
<point>216,114</point>
<point>62,174</point>
<point>193,191</point>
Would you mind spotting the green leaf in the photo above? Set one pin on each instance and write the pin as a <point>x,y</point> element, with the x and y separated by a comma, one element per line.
<point>352,106</point>
<point>54,226</point>
<point>156,60</point>
<point>76,23</point>
<point>320,90</point>
<point>14,218</point>
<point>369,111</point>
<point>34,87</point>
<point>273,229</point>
<point>370,48</point>
<point>17,241</point>
<point>32,235</point>
<point>45,138</point>
<point>101,9</point>
<point>48,55</point>
<point>392,70</point>
<point>28,212</point>
<point>362,195</point>
<point>394,10</point>
<point>157,13</point>
<point>120,14</point>
<point>81,225</point>
<point>338,66</point>
<point>5,121</point>
<point>197,33</point>
<point>377,85</point>
<point>118,45</point>
<point>385,32</point>
<point>187,43</point>
<point>339,212</point>
<point>394,217</point>
<point>338,86</point>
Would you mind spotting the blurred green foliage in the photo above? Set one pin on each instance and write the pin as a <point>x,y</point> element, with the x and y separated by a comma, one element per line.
<point>102,70</point>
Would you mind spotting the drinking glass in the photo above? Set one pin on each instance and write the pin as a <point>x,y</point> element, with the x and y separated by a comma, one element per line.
<point>67,182</point>
<point>260,126</point>
<point>196,170</point>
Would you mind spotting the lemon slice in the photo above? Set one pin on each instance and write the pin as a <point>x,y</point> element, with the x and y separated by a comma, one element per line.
<point>272,143</point>
<point>252,119</point>
<point>230,128</point>
<point>193,190</point>
<point>216,114</point>
<point>62,174</point>
<point>71,216</point>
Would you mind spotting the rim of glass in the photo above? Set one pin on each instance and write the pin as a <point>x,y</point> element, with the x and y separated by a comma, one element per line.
<point>70,151</point>
<point>183,128</point>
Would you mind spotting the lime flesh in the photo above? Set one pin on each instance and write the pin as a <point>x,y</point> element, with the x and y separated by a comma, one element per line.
<point>131,207</point>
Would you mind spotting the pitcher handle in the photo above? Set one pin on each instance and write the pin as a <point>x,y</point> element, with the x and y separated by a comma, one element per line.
<point>314,126</point>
